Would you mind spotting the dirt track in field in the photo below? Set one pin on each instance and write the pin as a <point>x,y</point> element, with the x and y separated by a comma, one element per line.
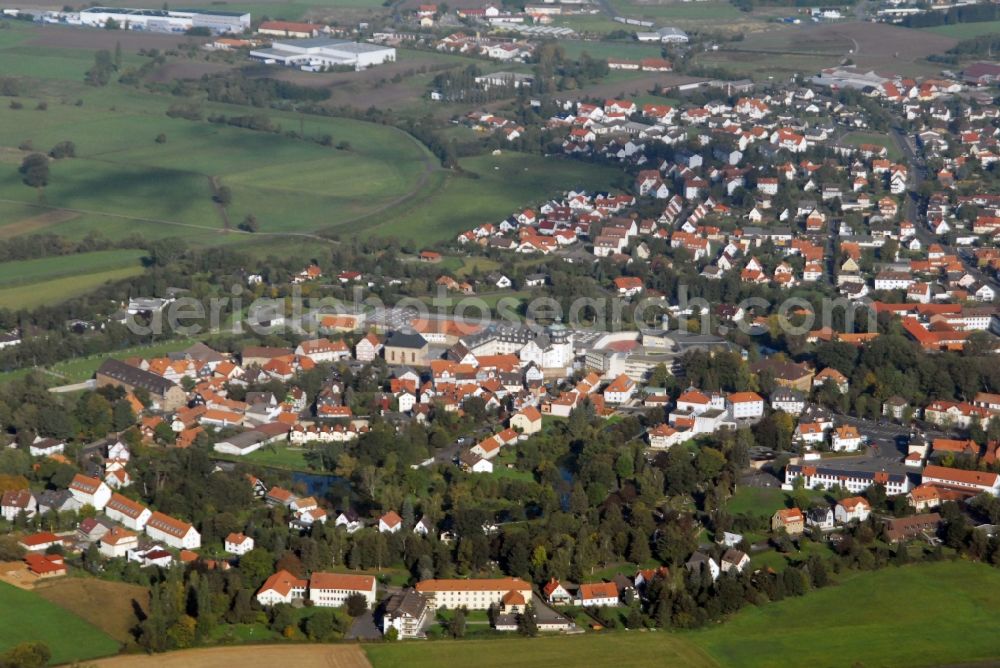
<point>248,656</point>
<point>36,223</point>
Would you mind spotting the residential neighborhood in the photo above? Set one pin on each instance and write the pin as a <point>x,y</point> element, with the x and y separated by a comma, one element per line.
<point>372,334</point>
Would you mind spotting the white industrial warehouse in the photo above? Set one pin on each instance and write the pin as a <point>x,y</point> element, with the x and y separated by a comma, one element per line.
<point>320,53</point>
<point>163,20</point>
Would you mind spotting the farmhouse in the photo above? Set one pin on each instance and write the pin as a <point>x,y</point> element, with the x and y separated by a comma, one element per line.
<point>322,53</point>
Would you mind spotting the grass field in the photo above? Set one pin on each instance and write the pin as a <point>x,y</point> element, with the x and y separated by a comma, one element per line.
<point>161,189</point>
<point>762,501</point>
<point>965,30</point>
<point>922,615</point>
<point>45,269</point>
<point>625,50</point>
<point>280,457</point>
<point>83,368</point>
<point>506,183</point>
<point>611,650</point>
<point>106,605</point>
<point>25,615</point>
<point>881,139</point>
<point>46,293</point>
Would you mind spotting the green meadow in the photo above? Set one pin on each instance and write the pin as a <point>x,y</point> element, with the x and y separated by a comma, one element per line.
<point>26,616</point>
<point>921,615</point>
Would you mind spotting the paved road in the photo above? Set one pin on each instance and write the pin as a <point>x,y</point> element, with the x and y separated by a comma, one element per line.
<point>911,209</point>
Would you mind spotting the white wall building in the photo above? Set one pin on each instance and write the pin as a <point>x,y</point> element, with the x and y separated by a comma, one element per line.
<point>322,53</point>
<point>175,533</point>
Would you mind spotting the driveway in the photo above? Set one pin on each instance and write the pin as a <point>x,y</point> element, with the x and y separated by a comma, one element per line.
<point>364,628</point>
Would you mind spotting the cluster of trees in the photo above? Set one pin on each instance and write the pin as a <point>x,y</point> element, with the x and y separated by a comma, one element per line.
<point>953,15</point>
<point>105,66</point>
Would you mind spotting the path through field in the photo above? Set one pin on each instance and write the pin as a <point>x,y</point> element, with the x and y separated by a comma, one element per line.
<point>248,656</point>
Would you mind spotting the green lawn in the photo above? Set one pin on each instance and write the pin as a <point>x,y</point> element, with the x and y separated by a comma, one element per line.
<point>922,615</point>
<point>618,49</point>
<point>46,293</point>
<point>966,30</point>
<point>712,11</point>
<point>49,268</point>
<point>279,457</point>
<point>858,138</point>
<point>83,368</point>
<point>756,501</point>
<point>25,616</point>
<point>611,650</point>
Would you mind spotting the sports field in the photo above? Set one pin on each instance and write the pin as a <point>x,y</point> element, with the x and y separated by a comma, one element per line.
<point>26,616</point>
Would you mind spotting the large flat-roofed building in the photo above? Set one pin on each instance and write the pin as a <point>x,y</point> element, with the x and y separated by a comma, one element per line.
<point>322,52</point>
<point>166,20</point>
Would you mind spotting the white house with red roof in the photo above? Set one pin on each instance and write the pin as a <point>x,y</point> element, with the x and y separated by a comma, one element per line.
<point>620,390</point>
<point>118,542</point>
<point>172,531</point>
<point>331,590</point>
<point>528,420</point>
<point>238,544</point>
<point>745,405</point>
<point>846,439</point>
<point>851,509</point>
<point>556,594</point>
<point>282,587</point>
<point>663,437</point>
<point>391,522</point>
<point>127,512</point>
<point>90,491</point>
<point>597,595</point>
